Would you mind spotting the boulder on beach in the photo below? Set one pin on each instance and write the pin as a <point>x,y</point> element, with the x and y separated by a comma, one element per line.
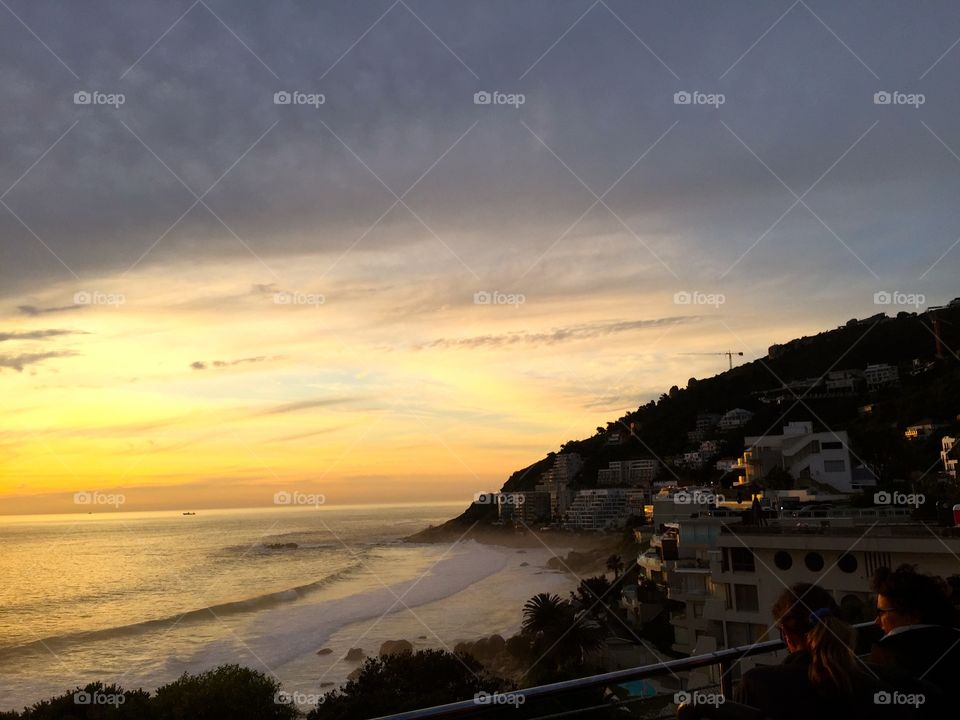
<point>354,654</point>
<point>354,674</point>
<point>324,651</point>
<point>395,647</point>
<point>524,564</point>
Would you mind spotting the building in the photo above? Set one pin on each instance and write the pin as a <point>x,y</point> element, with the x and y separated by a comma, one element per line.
<point>707,421</point>
<point>881,375</point>
<point>806,455</point>
<point>628,472</point>
<point>531,507</point>
<point>738,417</point>
<point>602,509</point>
<point>950,454</point>
<point>920,430</point>
<point>845,382</point>
<point>558,480</point>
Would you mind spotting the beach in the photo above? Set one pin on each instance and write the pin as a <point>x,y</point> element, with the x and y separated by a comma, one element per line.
<point>268,589</point>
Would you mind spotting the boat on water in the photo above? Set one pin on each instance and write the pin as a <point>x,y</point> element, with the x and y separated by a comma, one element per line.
<point>189,513</point>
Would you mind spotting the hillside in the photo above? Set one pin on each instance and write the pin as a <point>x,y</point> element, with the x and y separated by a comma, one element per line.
<point>929,390</point>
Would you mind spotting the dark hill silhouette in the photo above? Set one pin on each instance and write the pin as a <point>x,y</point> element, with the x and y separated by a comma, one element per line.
<point>659,428</point>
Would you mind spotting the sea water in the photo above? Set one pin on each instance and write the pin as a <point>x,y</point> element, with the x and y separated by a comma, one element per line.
<point>140,598</point>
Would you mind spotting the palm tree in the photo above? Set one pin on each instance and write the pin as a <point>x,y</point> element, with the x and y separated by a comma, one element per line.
<point>615,565</point>
<point>543,613</point>
<point>559,631</point>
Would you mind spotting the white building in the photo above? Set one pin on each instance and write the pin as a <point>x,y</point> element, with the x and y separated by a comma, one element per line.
<point>602,509</point>
<point>949,454</point>
<point>628,472</point>
<point>738,417</point>
<point>823,457</point>
<point>845,381</point>
<point>881,375</point>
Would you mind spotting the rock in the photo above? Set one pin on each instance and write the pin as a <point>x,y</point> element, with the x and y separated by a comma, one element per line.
<point>324,651</point>
<point>354,675</point>
<point>355,655</point>
<point>421,637</point>
<point>496,644</point>
<point>463,648</point>
<point>395,647</point>
<point>329,683</point>
<point>521,551</point>
<point>524,564</point>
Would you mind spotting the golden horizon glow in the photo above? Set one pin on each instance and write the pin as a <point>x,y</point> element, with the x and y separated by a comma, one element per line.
<point>372,395</point>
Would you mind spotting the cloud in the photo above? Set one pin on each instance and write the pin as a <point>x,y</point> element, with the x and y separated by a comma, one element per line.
<point>33,310</point>
<point>19,362</point>
<point>304,405</point>
<point>201,365</point>
<point>34,334</point>
<point>563,334</point>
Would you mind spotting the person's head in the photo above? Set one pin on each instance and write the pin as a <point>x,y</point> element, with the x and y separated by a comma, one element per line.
<point>906,597</point>
<point>808,618</point>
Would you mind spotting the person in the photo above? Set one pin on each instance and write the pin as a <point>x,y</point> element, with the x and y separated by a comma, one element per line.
<point>821,676</point>
<point>918,620</point>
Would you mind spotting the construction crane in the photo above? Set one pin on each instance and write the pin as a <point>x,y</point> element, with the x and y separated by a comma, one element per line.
<point>728,353</point>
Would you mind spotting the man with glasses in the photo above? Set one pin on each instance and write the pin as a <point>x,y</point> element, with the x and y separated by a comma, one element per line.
<point>918,620</point>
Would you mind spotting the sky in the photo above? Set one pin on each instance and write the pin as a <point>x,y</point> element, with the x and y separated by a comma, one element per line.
<point>392,251</point>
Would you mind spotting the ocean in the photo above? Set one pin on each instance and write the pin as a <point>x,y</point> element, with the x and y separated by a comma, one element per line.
<point>140,598</point>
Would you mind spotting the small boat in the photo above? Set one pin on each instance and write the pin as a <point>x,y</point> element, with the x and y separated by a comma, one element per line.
<point>189,513</point>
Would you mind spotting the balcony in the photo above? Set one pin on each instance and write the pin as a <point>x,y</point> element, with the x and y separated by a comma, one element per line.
<point>619,682</point>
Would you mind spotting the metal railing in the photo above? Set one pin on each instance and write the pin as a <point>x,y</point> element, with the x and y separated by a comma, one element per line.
<point>723,660</point>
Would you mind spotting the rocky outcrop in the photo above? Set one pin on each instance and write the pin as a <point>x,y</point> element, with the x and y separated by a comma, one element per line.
<point>354,655</point>
<point>395,647</point>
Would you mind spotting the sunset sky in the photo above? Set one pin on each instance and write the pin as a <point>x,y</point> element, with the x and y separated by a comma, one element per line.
<point>207,297</point>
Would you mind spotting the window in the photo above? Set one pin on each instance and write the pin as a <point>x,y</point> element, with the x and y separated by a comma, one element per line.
<point>832,446</point>
<point>698,610</point>
<point>741,559</point>
<point>847,563</point>
<point>783,560</point>
<point>746,597</point>
<point>814,561</point>
<point>832,466</point>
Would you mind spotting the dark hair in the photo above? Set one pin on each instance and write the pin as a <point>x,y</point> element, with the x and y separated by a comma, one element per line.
<point>913,593</point>
<point>811,615</point>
